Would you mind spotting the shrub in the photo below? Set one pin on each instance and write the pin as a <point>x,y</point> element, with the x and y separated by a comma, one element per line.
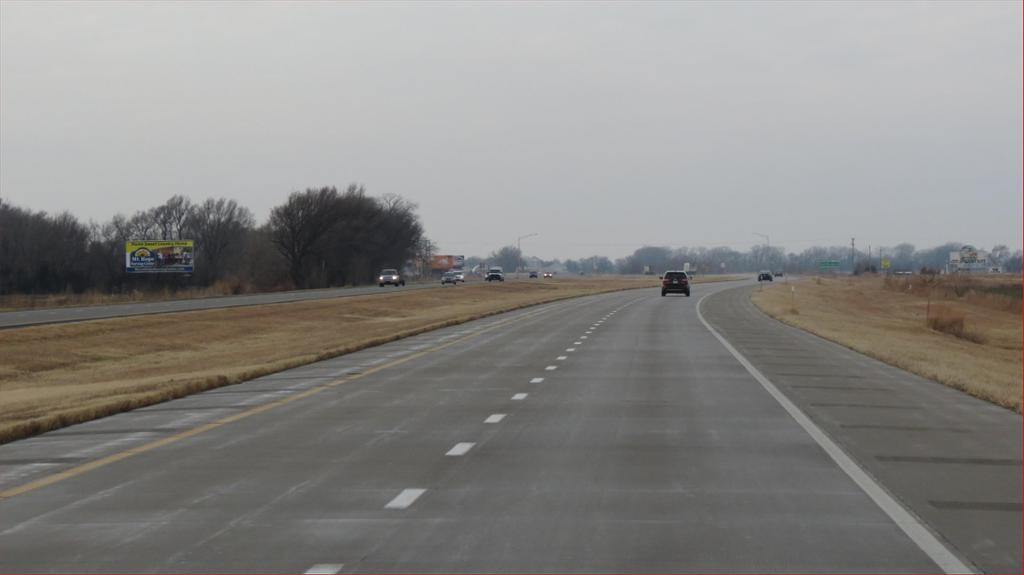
<point>946,320</point>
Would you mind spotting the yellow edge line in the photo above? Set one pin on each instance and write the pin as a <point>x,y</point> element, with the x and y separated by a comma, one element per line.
<point>115,457</point>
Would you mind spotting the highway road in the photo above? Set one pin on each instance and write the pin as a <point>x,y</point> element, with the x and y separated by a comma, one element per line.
<point>41,316</point>
<point>624,432</point>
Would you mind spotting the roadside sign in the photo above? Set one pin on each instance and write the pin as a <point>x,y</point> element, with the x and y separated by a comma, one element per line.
<point>886,263</point>
<point>828,266</point>
<point>447,262</point>
<point>159,256</point>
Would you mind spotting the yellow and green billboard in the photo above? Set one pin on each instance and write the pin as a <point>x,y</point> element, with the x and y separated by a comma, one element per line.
<point>159,256</point>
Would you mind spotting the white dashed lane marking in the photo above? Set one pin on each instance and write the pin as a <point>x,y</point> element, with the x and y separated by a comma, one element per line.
<point>405,498</point>
<point>460,449</point>
<point>325,569</point>
<point>570,349</point>
<point>494,418</point>
<point>519,396</point>
<point>551,367</point>
<point>537,380</point>
<point>561,358</point>
<point>577,343</point>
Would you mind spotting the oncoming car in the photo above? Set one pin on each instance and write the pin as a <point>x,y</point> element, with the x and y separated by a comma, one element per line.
<point>390,277</point>
<point>449,278</point>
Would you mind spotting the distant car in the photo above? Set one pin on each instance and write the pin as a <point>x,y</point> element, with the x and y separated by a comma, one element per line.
<point>460,276</point>
<point>449,278</point>
<point>779,274</point>
<point>764,276</point>
<point>533,274</point>
<point>495,274</point>
<point>675,282</point>
<point>390,277</point>
<point>548,275</point>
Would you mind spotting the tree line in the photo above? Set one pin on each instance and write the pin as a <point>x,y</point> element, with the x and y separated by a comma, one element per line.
<point>318,237</point>
<point>721,259</point>
<point>324,237</point>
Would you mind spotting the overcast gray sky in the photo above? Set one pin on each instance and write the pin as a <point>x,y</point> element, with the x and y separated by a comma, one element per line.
<point>602,127</point>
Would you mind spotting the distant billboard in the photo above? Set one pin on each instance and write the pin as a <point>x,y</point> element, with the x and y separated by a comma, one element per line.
<point>445,263</point>
<point>159,256</point>
<point>969,260</point>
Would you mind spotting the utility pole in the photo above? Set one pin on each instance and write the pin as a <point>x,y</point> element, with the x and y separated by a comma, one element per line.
<point>853,262</point>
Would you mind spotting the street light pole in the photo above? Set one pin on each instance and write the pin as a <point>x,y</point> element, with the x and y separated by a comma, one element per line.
<point>767,240</point>
<point>519,249</point>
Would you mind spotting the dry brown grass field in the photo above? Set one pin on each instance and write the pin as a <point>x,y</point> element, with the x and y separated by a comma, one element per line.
<point>14,302</point>
<point>60,374</point>
<point>962,332</point>
<point>224,287</point>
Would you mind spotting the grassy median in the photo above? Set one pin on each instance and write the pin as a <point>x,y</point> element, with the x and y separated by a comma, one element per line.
<point>57,375</point>
<point>962,332</point>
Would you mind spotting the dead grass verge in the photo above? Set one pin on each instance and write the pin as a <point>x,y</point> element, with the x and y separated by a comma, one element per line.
<point>946,320</point>
<point>56,375</point>
<point>12,302</point>
<point>969,343</point>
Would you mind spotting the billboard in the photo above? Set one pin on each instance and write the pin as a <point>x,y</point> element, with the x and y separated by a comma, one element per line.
<point>969,259</point>
<point>446,263</point>
<point>159,256</point>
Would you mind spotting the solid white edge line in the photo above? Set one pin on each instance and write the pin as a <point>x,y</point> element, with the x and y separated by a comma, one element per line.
<point>904,519</point>
<point>405,498</point>
<point>325,569</point>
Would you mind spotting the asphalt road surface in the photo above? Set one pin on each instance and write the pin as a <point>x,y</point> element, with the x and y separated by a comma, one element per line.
<point>28,317</point>
<point>608,433</point>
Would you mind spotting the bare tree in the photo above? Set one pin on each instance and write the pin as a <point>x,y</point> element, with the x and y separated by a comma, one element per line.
<point>219,228</point>
<point>507,257</point>
<point>299,225</point>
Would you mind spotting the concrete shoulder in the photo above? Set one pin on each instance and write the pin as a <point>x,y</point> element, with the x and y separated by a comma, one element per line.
<point>951,459</point>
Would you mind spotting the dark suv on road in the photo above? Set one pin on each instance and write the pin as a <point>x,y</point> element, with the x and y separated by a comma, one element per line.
<point>675,282</point>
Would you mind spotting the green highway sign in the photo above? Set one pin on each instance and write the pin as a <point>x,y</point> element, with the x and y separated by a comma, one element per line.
<point>828,266</point>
